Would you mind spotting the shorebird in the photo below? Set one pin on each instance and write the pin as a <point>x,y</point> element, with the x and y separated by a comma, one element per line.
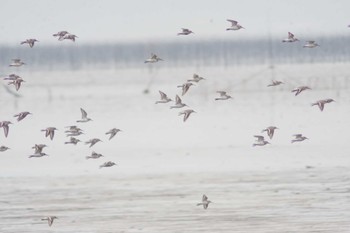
<point>290,38</point>
<point>20,116</point>
<point>17,62</point>
<point>163,98</point>
<point>310,44</point>
<point>185,87</point>
<point>275,83</point>
<point>186,114</point>
<point>17,83</point>
<point>93,141</point>
<point>234,25</point>
<point>223,95</point>
<point>298,90</point>
<point>84,117</point>
<point>5,126</point>
<point>178,103</point>
<point>94,155</point>
<point>196,78</point>
<point>49,219</point>
<point>30,42</point>
<point>260,141</point>
<point>60,34</point>
<point>113,132</point>
<point>11,77</point>
<point>154,58</point>
<point>74,134</point>
<point>38,155</point>
<point>72,140</point>
<point>108,164</point>
<point>3,148</point>
<point>73,129</point>
<point>321,103</point>
<point>38,148</point>
<point>298,138</point>
<point>69,37</point>
<point>185,31</point>
<point>205,202</point>
<point>49,131</point>
<point>270,131</point>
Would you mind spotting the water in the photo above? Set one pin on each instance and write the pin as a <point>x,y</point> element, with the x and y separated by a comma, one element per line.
<point>164,166</point>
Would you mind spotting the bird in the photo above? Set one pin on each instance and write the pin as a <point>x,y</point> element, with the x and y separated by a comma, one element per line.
<point>3,148</point>
<point>17,62</point>
<point>108,164</point>
<point>93,141</point>
<point>223,95</point>
<point>178,103</point>
<point>11,77</point>
<point>298,138</point>
<point>69,36</point>
<point>234,25</point>
<point>84,117</point>
<point>321,103</point>
<point>38,155</point>
<point>30,42</point>
<point>298,90</point>
<point>20,116</point>
<point>205,202</point>
<point>94,155</point>
<point>38,148</point>
<point>185,31</point>
<point>74,133</point>
<point>17,83</point>
<point>185,87</point>
<point>5,126</point>
<point>275,83</point>
<point>154,58</point>
<point>49,131</point>
<point>270,131</point>
<point>186,114</point>
<point>113,132</point>
<point>72,140</point>
<point>73,129</point>
<point>196,78</point>
<point>310,44</point>
<point>290,38</point>
<point>163,98</point>
<point>49,219</point>
<point>260,141</point>
<point>259,138</point>
<point>60,34</point>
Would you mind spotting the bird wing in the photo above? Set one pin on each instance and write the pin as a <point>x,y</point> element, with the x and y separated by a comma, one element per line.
<point>222,93</point>
<point>163,96</point>
<point>259,138</point>
<point>290,35</point>
<point>6,130</point>
<point>234,22</point>
<point>83,113</point>
<point>204,198</point>
<point>178,100</point>
<point>299,135</point>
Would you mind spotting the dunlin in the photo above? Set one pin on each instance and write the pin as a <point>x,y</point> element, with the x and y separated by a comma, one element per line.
<point>69,37</point>
<point>108,164</point>
<point>234,25</point>
<point>17,62</point>
<point>5,126</point>
<point>93,141</point>
<point>38,155</point>
<point>30,42</point>
<point>84,117</point>
<point>223,95</point>
<point>163,98</point>
<point>270,131</point>
<point>311,44</point>
<point>17,83</point>
<point>178,103</point>
<point>38,148</point>
<point>3,148</point>
<point>94,155</point>
<point>20,116</point>
<point>290,38</point>
<point>113,132</point>
<point>196,78</point>
<point>154,58</point>
<point>185,87</point>
<point>49,219</point>
<point>185,31</point>
<point>260,141</point>
<point>298,138</point>
<point>298,90</point>
<point>49,131</point>
<point>73,141</point>
<point>205,202</point>
<point>11,77</point>
<point>60,34</point>
<point>321,103</point>
<point>73,129</point>
<point>275,83</point>
<point>186,114</point>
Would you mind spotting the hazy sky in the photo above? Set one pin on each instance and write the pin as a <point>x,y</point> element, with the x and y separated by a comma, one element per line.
<point>115,20</point>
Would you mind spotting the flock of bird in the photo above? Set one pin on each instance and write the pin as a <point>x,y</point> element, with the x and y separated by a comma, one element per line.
<point>73,131</point>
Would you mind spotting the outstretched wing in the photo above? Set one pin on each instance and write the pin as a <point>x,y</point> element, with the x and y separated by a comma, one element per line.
<point>83,113</point>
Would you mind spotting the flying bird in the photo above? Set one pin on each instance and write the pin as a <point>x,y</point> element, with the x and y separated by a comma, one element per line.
<point>223,96</point>
<point>20,116</point>
<point>84,117</point>
<point>49,132</point>
<point>186,113</point>
<point>300,89</point>
<point>5,126</point>
<point>270,131</point>
<point>290,38</point>
<point>185,32</point>
<point>49,219</point>
<point>205,202</point>
<point>298,138</point>
<point>321,103</point>
<point>113,132</point>
<point>178,103</point>
<point>163,98</point>
<point>30,42</point>
<point>234,25</point>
